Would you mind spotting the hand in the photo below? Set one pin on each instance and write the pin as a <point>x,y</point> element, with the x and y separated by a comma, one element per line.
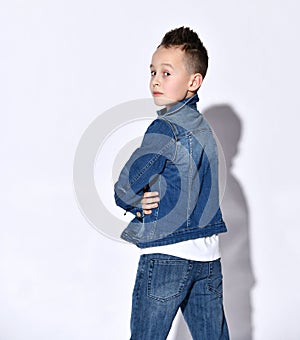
<point>149,201</point>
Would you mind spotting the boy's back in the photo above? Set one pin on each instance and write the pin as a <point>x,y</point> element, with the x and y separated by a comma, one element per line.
<point>177,158</point>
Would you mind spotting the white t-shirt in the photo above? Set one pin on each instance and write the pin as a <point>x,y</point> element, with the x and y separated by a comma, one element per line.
<point>200,249</point>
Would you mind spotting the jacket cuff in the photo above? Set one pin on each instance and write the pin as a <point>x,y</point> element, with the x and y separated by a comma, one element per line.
<point>137,211</point>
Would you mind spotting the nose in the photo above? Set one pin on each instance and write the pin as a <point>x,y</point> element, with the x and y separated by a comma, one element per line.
<point>155,81</point>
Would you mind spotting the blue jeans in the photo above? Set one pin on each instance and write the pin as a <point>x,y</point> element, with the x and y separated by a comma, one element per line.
<point>166,283</point>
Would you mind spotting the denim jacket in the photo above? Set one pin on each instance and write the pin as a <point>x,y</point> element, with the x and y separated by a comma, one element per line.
<point>178,158</point>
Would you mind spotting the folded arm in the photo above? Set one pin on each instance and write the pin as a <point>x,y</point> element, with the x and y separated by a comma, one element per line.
<point>145,163</point>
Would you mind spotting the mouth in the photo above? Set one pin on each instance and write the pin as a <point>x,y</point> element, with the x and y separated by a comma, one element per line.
<point>156,93</point>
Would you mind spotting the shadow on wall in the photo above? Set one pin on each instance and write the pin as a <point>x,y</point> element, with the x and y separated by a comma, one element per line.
<point>235,244</point>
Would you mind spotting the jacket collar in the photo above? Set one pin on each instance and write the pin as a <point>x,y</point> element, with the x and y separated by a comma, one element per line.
<point>191,102</point>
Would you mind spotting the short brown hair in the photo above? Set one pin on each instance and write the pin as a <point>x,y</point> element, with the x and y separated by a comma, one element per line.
<point>189,42</point>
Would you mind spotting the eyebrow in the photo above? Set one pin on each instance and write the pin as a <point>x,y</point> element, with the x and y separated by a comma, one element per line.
<point>163,64</point>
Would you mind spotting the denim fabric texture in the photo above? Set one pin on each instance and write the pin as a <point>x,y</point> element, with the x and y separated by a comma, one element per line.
<point>166,283</point>
<point>178,158</point>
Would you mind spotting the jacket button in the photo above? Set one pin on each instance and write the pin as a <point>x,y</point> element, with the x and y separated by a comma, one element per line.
<point>138,214</point>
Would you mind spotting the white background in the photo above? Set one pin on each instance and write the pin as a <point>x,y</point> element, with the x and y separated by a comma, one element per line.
<point>62,64</point>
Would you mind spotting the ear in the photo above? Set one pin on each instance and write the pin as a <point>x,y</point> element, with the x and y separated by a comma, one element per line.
<point>195,82</point>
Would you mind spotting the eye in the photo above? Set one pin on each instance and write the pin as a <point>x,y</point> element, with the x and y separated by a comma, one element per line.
<point>167,74</point>
<point>153,73</point>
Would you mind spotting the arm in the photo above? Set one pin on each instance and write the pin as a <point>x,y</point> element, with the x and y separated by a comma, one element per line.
<point>145,163</point>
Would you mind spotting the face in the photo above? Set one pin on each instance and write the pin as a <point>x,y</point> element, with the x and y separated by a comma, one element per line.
<point>170,81</point>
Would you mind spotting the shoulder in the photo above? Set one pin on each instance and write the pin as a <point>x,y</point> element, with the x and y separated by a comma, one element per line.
<point>161,126</point>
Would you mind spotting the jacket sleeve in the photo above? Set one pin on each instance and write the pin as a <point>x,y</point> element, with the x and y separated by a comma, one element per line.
<point>158,146</point>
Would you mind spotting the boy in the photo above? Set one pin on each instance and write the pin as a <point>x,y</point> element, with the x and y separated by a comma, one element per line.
<point>170,184</point>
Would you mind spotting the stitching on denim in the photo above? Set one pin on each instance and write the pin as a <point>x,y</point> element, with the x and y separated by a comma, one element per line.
<point>154,223</point>
<point>188,213</point>
<point>189,229</point>
<point>210,287</point>
<point>161,236</point>
<point>139,283</point>
<point>149,164</point>
<point>181,285</point>
<point>175,133</point>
